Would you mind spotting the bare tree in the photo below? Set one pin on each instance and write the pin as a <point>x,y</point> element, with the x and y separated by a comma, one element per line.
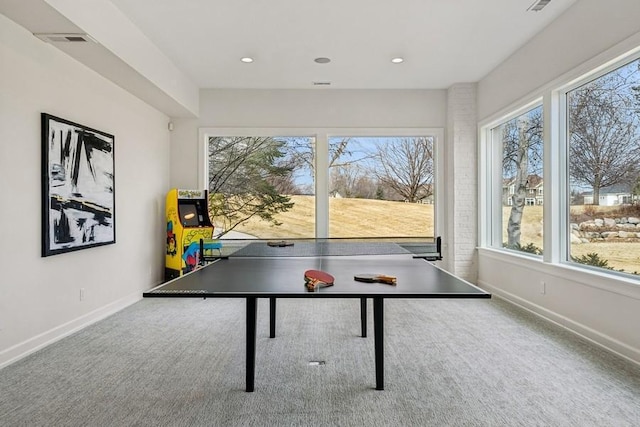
<point>522,158</point>
<point>342,152</point>
<point>604,136</point>
<point>352,180</point>
<point>405,166</point>
<point>246,178</point>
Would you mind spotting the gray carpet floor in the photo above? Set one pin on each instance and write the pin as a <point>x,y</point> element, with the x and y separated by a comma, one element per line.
<point>180,362</point>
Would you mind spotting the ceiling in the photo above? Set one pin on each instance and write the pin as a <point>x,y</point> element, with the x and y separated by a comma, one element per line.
<point>165,51</point>
<point>442,41</point>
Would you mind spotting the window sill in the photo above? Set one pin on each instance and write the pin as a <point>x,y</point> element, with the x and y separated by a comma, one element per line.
<point>610,282</point>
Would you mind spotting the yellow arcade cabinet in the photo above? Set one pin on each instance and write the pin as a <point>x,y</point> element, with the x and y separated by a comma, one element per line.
<point>188,227</point>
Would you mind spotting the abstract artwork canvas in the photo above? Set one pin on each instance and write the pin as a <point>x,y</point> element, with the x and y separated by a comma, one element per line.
<point>78,187</point>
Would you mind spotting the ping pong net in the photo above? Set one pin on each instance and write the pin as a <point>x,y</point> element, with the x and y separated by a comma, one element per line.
<point>429,249</point>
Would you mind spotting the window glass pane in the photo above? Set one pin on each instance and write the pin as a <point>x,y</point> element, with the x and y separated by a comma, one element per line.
<point>522,178</point>
<point>381,187</point>
<point>262,186</point>
<point>604,169</point>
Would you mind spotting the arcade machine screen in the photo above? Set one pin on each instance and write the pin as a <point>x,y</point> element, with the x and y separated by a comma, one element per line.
<point>190,214</point>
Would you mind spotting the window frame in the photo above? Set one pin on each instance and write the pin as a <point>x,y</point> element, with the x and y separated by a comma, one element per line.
<point>490,189</point>
<point>562,93</point>
<point>555,190</point>
<point>321,183</point>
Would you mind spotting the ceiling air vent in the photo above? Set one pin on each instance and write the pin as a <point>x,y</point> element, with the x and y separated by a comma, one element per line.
<point>65,37</point>
<point>538,5</point>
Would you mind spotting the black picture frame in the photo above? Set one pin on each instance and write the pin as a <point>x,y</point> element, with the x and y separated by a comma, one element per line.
<point>78,187</point>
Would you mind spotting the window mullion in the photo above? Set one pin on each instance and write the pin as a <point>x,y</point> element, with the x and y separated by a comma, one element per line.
<point>322,184</point>
<point>554,190</point>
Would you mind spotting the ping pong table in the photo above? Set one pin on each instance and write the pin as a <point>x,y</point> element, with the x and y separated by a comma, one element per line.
<point>255,269</point>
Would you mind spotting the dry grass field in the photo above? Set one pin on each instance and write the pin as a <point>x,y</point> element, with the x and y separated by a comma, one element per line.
<point>349,218</point>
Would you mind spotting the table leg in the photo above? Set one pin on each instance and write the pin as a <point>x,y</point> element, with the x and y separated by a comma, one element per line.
<point>378,332</point>
<point>363,317</point>
<point>251,342</point>
<point>272,317</point>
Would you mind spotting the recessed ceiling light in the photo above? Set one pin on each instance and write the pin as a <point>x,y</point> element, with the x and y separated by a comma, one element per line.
<point>246,59</point>
<point>397,60</point>
<point>322,60</point>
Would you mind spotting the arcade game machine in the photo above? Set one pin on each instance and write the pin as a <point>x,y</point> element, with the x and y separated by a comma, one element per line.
<point>189,232</point>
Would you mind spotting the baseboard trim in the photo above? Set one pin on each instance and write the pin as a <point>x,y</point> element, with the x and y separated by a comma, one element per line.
<point>25,348</point>
<point>604,341</point>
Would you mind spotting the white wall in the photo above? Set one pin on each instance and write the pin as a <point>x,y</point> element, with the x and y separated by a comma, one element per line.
<point>586,29</point>
<point>603,309</point>
<point>461,182</point>
<point>318,109</point>
<point>40,297</point>
<point>313,108</point>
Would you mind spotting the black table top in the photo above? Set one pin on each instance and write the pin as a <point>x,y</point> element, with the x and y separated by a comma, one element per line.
<point>283,277</point>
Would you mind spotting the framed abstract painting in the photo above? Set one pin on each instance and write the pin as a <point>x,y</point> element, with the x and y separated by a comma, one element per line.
<point>78,187</point>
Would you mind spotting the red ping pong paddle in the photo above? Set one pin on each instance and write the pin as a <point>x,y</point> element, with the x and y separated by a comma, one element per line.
<point>317,278</point>
<point>371,278</point>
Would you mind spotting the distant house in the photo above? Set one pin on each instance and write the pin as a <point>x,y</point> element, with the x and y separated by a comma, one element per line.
<point>611,196</point>
<point>534,192</point>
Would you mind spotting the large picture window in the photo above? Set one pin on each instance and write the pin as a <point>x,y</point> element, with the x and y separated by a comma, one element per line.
<point>603,139</point>
<point>351,185</point>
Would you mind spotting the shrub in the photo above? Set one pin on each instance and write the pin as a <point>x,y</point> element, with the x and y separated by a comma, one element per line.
<point>592,259</point>
<point>528,248</point>
<point>629,210</point>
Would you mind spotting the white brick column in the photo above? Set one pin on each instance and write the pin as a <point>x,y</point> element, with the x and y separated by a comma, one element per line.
<point>461,182</point>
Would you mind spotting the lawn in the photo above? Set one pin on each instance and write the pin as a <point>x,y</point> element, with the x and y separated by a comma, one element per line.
<point>349,218</point>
